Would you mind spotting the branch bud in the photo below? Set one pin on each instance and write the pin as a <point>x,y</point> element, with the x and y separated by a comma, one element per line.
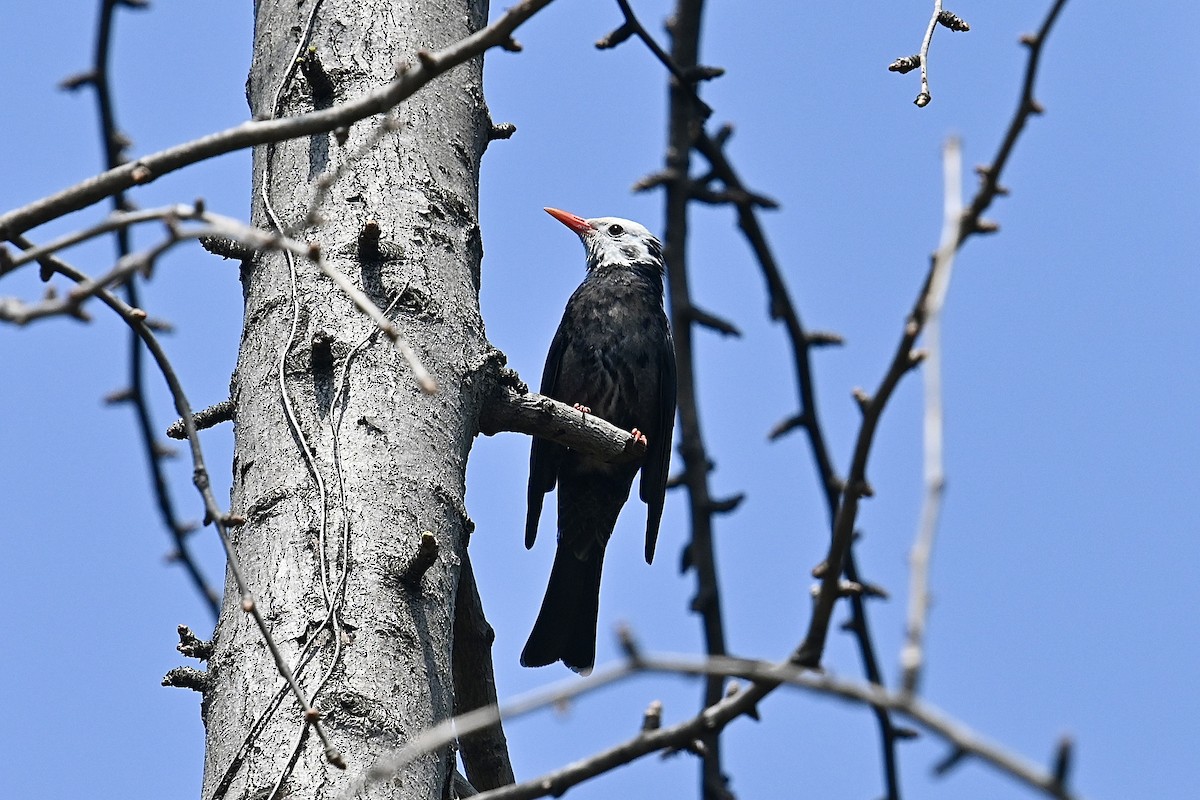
<point>905,64</point>
<point>952,21</point>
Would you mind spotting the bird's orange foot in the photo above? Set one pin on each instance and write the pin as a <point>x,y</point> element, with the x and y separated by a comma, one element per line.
<point>580,407</point>
<point>639,437</point>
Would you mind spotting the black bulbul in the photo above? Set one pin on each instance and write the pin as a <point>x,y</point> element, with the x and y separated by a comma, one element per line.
<point>612,356</point>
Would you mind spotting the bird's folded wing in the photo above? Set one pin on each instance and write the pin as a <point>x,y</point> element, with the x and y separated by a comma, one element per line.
<point>544,455</point>
<point>653,486</point>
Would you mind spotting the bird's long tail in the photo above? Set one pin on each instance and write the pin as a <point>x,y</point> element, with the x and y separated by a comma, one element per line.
<point>566,625</point>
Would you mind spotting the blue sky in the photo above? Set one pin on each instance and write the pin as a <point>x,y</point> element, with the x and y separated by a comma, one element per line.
<point>1065,578</point>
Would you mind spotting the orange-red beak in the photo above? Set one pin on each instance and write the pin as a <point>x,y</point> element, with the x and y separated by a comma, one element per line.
<point>575,223</point>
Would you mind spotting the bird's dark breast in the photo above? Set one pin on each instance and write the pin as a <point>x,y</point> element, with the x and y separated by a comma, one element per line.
<point>611,363</point>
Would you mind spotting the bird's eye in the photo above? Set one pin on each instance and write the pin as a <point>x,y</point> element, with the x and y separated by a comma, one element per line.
<point>615,229</point>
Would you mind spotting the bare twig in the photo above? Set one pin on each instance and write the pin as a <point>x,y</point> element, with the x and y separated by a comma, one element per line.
<point>782,308</point>
<point>114,145</point>
<point>844,508</point>
<point>935,480</point>
<point>387,125</point>
<point>226,248</point>
<point>1063,756</point>
<point>686,116</point>
<point>248,134</point>
<point>188,678</point>
<point>924,97</point>
<point>115,222</point>
<point>128,264</point>
<point>445,732</point>
<point>921,59</point>
<point>204,418</point>
<point>215,225</point>
<point>801,341</point>
<point>905,358</point>
<point>501,130</point>
<point>686,77</point>
<point>192,645</point>
<point>18,312</point>
<point>179,529</point>
<point>135,319</point>
<point>711,321</point>
<point>653,739</point>
<point>990,187</point>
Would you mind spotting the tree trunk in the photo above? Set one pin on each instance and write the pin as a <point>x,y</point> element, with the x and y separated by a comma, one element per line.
<point>337,500</point>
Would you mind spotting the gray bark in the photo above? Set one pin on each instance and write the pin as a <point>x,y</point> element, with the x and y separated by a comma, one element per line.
<point>386,645</point>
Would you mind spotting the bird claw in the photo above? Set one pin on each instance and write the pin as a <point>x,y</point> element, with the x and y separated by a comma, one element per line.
<point>639,437</point>
<point>580,407</point>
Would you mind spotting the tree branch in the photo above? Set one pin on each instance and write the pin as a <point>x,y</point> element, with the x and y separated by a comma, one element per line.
<point>485,752</point>
<point>921,59</point>
<point>506,409</point>
<point>135,319</point>
<point>843,509</point>
<point>990,186</point>
<point>783,309</point>
<point>217,225</point>
<point>686,76</point>
<point>204,418</point>
<point>712,718</point>
<point>409,79</point>
<point>911,655</point>
<point>686,116</point>
<point>904,359</point>
<point>114,144</point>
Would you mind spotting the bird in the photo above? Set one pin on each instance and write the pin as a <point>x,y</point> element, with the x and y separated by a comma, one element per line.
<point>612,356</point>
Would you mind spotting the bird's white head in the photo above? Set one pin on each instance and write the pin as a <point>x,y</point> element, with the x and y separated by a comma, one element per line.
<point>612,240</point>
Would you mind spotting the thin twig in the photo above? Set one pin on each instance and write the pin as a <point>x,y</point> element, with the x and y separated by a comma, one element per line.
<point>248,134</point>
<point>801,341</point>
<point>135,319</point>
<point>216,225</point>
<point>684,81</point>
<point>911,655</point>
<point>442,734</point>
<point>686,115</point>
<point>114,145</point>
<point>714,717</point>
<point>782,308</point>
<point>205,418</point>
<point>990,188</point>
<point>51,264</point>
<point>840,552</point>
<point>388,125</point>
<point>921,59</point>
<point>924,97</point>
<point>115,222</point>
<point>905,358</point>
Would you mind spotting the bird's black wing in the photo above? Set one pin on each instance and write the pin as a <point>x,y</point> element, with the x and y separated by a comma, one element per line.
<point>653,487</point>
<point>545,455</point>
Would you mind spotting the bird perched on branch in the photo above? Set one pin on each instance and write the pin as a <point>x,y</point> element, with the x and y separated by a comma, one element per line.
<point>612,356</point>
